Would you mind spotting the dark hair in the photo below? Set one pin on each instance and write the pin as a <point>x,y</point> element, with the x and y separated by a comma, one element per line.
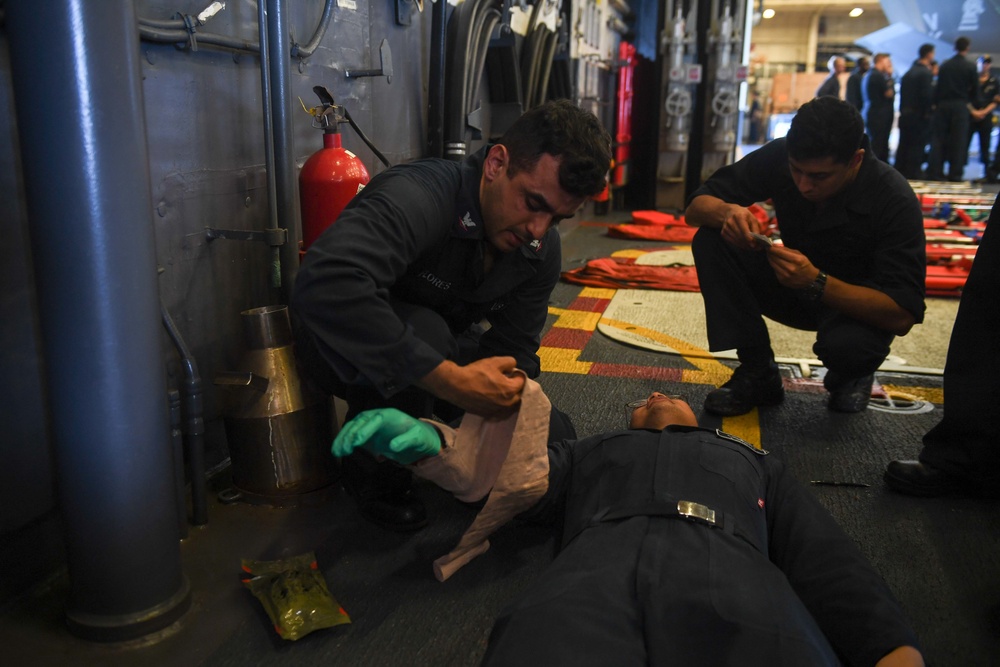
<point>562,130</point>
<point>825,127</point>
<point>962,44</point>
<point>925,49</point>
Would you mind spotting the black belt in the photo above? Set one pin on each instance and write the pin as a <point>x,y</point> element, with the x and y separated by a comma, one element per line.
<point>680,509</point>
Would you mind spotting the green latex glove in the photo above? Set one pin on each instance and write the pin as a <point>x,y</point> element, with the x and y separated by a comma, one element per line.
<point>389,433</point>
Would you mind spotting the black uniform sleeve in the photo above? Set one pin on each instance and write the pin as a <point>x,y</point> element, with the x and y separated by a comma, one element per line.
<point>341,293</point>
<point>901,269</point>
<point>875,85</point>
<point>830,87</point>
<point>925,89</point>
<point>849,600</point>
<point>551,508</point>
<point>755,178</point>
<point>516,330</point>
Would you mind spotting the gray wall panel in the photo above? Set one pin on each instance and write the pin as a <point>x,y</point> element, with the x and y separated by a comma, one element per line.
<point>205,140</point>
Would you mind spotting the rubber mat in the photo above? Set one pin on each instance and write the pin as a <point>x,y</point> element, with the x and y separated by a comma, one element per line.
<point>681,316</point>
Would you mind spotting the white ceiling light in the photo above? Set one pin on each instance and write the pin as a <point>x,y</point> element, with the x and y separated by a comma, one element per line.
<point>856,12</point>
<point>768,14</point>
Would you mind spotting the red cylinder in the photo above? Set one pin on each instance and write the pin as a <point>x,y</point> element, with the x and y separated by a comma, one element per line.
<point>623,135</point>
<point>327,182</point>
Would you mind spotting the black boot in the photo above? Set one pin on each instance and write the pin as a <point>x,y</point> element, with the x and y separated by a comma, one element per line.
<point>747,389</point>
<point>383,491</point>
<point>848,394</point>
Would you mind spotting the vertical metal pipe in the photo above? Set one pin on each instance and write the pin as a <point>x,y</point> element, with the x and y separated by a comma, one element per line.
<point>279,46</point>
<point>265,96</point>
<point>89,206</point>
<point>193,411</point>
<point>177,447</point>
<point>435,86</point>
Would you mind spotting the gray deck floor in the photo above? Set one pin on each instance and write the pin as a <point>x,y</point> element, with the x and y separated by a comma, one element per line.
<point>941,557</point>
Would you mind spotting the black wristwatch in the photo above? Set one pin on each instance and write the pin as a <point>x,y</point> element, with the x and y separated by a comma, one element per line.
<point>814,292</point>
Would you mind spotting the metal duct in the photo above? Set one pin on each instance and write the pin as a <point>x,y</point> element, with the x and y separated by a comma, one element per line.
<point>89,204</point>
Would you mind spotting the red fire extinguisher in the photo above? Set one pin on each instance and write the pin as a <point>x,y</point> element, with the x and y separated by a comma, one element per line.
<point>330,177</point>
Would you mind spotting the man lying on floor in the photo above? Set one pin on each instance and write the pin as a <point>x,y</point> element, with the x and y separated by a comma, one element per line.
<point>681,545</point>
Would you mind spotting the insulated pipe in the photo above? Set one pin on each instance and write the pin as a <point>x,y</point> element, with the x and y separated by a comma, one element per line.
<point>174,31</point>
<point>279,44</point>
<point>89,203</point>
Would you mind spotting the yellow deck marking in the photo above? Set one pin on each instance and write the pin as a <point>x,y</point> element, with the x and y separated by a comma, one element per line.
<point>597,293</point>
<point>563,360</point>
<point>701,359</point>
<point>710,371</point>
<point>575,319</point>
<point>929,394</point>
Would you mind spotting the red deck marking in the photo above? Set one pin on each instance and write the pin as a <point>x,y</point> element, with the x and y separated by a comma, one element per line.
<point>571,339</point>
<point>637,372</point>
<point>589,304</point>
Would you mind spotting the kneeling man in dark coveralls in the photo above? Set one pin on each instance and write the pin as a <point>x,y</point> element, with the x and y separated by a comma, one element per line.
<point>851,267</point>
<point>681,545</point>
<point>388,303</point>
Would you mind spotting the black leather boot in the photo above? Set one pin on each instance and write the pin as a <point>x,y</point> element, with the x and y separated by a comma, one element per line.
<point>747,389</point>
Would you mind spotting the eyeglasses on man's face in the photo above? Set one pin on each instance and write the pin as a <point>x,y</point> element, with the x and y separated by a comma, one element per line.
<point>634,405</point>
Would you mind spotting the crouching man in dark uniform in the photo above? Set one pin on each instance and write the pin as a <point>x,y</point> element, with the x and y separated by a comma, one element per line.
<point>422,255</point>
<point>680,545</point>
<point>852,267</point>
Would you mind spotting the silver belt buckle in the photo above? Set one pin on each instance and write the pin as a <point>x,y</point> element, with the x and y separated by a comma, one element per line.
<point>696,511</point>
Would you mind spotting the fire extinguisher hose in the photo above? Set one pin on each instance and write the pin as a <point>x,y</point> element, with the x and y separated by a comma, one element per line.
<point>364,138</point>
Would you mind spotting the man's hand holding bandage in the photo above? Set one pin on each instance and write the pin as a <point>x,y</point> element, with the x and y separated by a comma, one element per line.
<point>388,433</point>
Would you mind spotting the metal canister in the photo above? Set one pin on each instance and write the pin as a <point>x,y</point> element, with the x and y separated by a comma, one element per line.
<point>279,431</point>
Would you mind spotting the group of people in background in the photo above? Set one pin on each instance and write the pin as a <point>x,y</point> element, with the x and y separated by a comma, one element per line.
<point>941,108</point>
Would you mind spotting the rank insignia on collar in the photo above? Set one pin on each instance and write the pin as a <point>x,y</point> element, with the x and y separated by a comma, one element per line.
<point>466,221</point>
<point>740,441</point>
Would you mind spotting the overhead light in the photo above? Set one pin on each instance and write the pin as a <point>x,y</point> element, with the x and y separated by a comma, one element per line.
<point>768,14</point>
<point>856,12</point>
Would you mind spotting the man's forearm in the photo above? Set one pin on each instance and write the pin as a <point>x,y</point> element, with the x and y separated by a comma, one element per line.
<point>707,211</point>
<point>904,656</point>
<point>486,387</point>
<point>867,305</point>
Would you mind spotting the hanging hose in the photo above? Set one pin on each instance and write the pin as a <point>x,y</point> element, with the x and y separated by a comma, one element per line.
<point>528,55</point>
<point>459,33</point>
<point>324,23</point>
<point>193,413</point>
<point>364,138</point>
<point>469,31</point>
<point>490,18</point>
<point>552,41</point>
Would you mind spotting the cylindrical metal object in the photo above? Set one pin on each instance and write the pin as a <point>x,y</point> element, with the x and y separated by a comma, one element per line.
<point>90,205</point>
<point>280,45</point>
<point>279,432</point>
<point>328,181</point>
